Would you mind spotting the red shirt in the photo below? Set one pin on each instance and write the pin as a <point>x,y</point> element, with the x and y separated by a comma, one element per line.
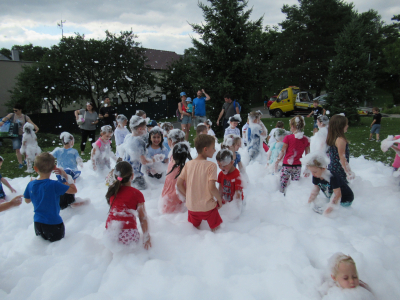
<point>127,199</point>
<point>231,183</point>
<point>295,149</point>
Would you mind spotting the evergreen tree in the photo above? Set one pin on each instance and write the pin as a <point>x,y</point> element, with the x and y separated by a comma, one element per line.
<point>350,79</point>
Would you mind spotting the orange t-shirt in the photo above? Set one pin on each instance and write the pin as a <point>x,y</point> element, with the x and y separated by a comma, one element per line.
<point>197,174</point>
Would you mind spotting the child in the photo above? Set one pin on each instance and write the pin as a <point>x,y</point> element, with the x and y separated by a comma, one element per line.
<point>318,141</point>
<point>230,183</point>
<point>121,131</point>
<point>45,197</point>
<point>101,152</point>
<point>376,124</point>
<point>200,176</point>
<point>316,111</point>
<point>244,132</point>
<point>201,129</point>
<point>255,133</point>
<point>233,142</point>
<point>169,201</point>
<point>211,132</point>
<point>189,108</point>
<point>271,137</point>
<point>293,147</point>
<point>29,145</point>
<point>4,181</point>
<point>123,200</point>
<point>339,153</point>
<point>166,127</point>
<point>156,147</point>
<point>275,149</point>
<point>233,121</point>
<point>141,113</point>
<point>151,124</point>
<point>333,187</point>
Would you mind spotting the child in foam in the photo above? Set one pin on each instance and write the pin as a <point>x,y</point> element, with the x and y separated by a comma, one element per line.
<point>255,134</point>
<point>339,152</point>
<point>332,186</point>
<point>211,132</point>
<point>244,132</point>
<point>4,181</point>
<point>197,184</point>
<point>318,140</point>
<point>294,145</point>
<point>201,129</point>
<point>275,149</point>
<point>170,201</point>
<point>123,200</point>
<point>101,152</point>
<point>166,127</point>
<point>233,121</point>
<point>29,146</point>
<point>156,150</point>
<point>271,136</point>
<point>121,131</point>
<point>45,197</point>
<point>230,183</point>
<point>233,142</point>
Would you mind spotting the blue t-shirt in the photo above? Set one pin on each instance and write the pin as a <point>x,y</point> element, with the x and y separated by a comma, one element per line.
<point>237,160</point>
<point>151,152</point>
<point>2,194</point>
<point>66,158</point>
<point>45,196</point>
<point>165,144</point>
<point>200,106</point>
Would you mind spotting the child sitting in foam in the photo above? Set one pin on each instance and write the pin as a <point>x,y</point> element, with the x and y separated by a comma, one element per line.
<point>29,146</point>
<point>211,132</point>
<point>121,131</point>
<point>274,150</point>
<point>101,152</point>
<point>233,121</point>
<point>155,148</point>
<point>255,134</point>
<point>318,140</point>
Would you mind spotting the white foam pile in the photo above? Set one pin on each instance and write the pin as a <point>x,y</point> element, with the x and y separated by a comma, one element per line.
<point>277,249</point>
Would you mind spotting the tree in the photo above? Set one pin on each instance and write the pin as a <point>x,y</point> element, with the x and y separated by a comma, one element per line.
<point>6,52</point>
<point>30,52</point>
<point>350,78</point>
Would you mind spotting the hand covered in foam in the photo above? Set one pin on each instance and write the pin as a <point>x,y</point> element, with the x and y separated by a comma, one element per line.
<point>306,173</point>
<point>158,157</point>
<point>350,175</point>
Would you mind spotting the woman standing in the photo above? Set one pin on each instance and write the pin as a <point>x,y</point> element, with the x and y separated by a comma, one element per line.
<point>88,128</point>
<point>17,117</point>
<point>186,118</point>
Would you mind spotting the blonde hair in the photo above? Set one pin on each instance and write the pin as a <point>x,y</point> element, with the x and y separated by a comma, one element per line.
<point>298,123</point>
<point>337,259</point>
<point>254,115</point>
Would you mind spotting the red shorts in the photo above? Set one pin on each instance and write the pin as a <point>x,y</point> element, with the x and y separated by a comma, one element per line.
<point>212,217</point>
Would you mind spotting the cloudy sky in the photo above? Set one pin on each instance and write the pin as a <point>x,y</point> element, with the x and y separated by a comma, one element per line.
<point>160,24</point>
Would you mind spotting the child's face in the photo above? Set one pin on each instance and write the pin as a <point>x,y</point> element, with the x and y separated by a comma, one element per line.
<point>209,151</point>
<point>124,123</point>
<point>155,139</point>
<point>225,169</point>
<point>347,276</point>
<point>315,105</point>
<point>316,172</point>
<point>374,112</point>
<point>237,145</point>
<point>234,124</point>
<point>106,136</point>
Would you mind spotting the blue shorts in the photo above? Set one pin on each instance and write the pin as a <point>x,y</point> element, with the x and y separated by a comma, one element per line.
<point>74,175</point>
<point>315,124</point>
<point>17,142</point>
<point>187,120</point>
<point>376,128</point>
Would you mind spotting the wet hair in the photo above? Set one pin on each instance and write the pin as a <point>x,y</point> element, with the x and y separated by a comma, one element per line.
<point>298,123</point>
<point>376,109</point>
<point>121,118</point>
<point>208,122</point>
<point>317,159</point>
<point>136,122</point>
<point>280,124</point>
<point>337,259</point>
<point>336,129</point>
<point>279,132</point>
<point>176,135</point>
<point>66,137</point>
<point>254,114</point>
<point>180,153</point>
<point>200,128</point>
<point>45,162</point>
<point>225,156</point>
<point>167,127</point>
<point>106,129</point>
<point>202,141</point>
<point>153,131</point>
<point>323,120</point>
<point>235,118</point>
<point>230,140</point>
<point>123,170</point>
<point>18,106</point>
<point>140,113</point>
<point>28,128</point>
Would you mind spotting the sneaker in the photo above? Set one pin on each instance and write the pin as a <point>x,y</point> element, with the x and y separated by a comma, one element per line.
<point>20,166</point>
<point>24,162</point>
<point>370,139</point>
<point>82,153</point>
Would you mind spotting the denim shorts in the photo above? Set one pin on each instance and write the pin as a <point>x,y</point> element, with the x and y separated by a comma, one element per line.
<point>17,142</point>
<point>315,124</point>
<point>187,120</point>
<point>376,128</point>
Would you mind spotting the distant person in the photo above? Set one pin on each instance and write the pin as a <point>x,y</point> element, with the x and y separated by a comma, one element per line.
<point>88,127</point>
<point>233,123</point>
<point>229,109</point>
<point>316,112</point>
<point>186,118</point>
<point>266,99</point>
<point>19,119</point>
<point>376,124</point>
<point>107,112</point>
<point>199,106</point>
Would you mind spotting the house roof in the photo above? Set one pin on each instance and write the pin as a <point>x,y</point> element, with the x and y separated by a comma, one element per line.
<point>2,57</point>
<point>160,59</point>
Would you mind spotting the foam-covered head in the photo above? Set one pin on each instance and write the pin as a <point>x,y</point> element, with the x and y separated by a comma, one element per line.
<point>298,123</point>
<point>121,119</point>
<point>136,121</point>
<point>280,134</point>
<point>255,115</point>
<point>167,127</point>
<point>141,113</point>
<point>235,118</point>
<point>28,128</point>
<point>230,140</point>
<point>324,120</point>
<point>66,137</point>
<point>208,123</point>
<point>176,136</point>
<point>224,156</point>
<point>106,129</point>
<point>181,149</point>
<point>317,159</point>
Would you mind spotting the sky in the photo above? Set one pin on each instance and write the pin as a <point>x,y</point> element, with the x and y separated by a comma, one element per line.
<point>159,24</point>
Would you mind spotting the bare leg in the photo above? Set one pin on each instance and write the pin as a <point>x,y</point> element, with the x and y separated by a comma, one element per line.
<point>370,136</point>
<point>19,156</point>
<point>377,136</point>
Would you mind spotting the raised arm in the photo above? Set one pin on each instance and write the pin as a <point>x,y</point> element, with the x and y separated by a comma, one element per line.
<point>207,97</point>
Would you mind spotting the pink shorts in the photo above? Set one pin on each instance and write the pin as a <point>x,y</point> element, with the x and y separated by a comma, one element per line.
<point>212,217</point>
<point>128,236</point>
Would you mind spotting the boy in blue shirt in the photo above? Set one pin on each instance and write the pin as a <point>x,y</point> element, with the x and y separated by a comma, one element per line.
<point>45,197</point>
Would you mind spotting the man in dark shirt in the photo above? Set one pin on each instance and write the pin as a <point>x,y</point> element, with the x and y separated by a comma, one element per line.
<point>376,124</point>
<point>228,110</point>
<point>107,112</point>
<point>316,111</point>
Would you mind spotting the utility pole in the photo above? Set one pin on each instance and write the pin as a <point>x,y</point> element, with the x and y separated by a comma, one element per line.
<point>62,27</point>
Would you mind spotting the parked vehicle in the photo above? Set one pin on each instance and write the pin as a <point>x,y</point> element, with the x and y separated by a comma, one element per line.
<point>271,100</point>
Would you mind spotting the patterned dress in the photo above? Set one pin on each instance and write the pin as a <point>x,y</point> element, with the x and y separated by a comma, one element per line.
<point>335,167</point>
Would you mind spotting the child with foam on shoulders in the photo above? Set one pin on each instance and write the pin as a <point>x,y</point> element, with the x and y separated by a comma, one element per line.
<point>121,131</point>
<point>318,140</point>
<point>156,150</point>
<point>331,185</point>
<point>166,127</point>
<point>233,123</point>
<point>101,152</point>
<point>233,143</point>
<point>271,136</point>
<point>170,202</point>
<point>275,149</point>
<point>211,132</point>
<point>29,145</point>
<point>13,202</point>
<point>294,145</point>
<point>256,133</point>
<point>197,184</point>
<point>124,200</point>
<point>44,194</point>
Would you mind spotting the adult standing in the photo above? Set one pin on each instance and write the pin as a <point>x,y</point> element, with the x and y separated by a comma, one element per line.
<point>229,109</point>
<point>199,108</point>
<point>18,118</point>
<point>186,118</point>
<point>107,112</point>
<point>88,128</point>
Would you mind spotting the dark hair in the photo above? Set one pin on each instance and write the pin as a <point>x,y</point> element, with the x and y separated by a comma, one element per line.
<point>200,128</point>
<point>90,103</point>
<point>140,113</point>
<point>125,171</point>
<point>202,141</point>
<point>336,129</point>
<point>280,124</point>
<point>180,153</point>
<point>151,133</point>
<point>45,162</point>
<point>376,109</point>
<point>228,96</point>
<point>106,98</point>
<point>223,154</point>
<point>18,106</point>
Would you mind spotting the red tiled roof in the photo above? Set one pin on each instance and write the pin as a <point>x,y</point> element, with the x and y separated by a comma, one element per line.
<point>159,59</point>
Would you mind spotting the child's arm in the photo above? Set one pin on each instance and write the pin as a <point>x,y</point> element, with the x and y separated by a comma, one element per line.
<point>264,131</point>
<point>220,189</point>
<point>72,188</point>
<point>238,195</point>
<point>396,149</point>
<point>16,201</point>
<point>92,158</point>
<point>215,192</point>
<point>242,169</point>
<point>341,146</point>
<point>314,193</point>
<point>4,181</point>
<point>373,122</point>
<point>180,184</point>
<point>307,171</point>
<point>145,227</point>
<point>335,200</point>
